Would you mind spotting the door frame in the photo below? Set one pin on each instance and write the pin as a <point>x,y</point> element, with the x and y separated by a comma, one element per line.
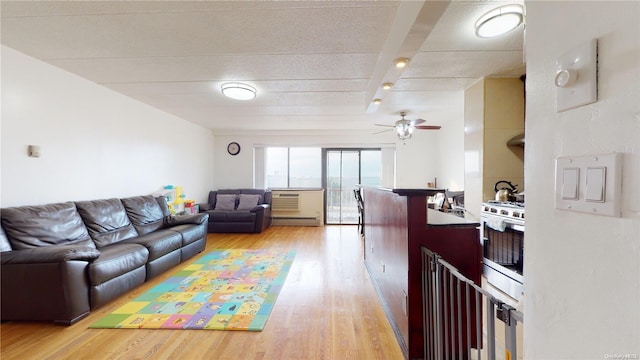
<point>324,170</point>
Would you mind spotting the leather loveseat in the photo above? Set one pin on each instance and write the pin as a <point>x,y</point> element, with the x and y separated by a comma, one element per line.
<point>238,210</point>
<point>59,261</point>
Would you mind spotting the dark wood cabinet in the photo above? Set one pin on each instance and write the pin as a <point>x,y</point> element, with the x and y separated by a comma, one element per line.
<point>397,223</point>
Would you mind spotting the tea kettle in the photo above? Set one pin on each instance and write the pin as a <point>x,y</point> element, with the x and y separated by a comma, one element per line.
<point>506,192</point>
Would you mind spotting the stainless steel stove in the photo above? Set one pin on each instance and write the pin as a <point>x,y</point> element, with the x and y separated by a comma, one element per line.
<point>502,237</point>
<point>507,210</point>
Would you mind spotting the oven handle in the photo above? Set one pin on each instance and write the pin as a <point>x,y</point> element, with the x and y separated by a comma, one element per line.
<point>508,224</point>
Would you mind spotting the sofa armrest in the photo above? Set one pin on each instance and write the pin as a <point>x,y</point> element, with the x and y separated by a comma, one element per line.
<point>49,254</point>
<point>196,219</point>
<point>263,217</point>
<point>48,291</point>
<point>205,207</point>
<point>261,207</point>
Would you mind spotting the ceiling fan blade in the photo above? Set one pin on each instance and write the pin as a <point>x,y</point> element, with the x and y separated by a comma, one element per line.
<point>418,121</point>
<point>379,132</point>
<point>384,125</point>
<point>428,127</point>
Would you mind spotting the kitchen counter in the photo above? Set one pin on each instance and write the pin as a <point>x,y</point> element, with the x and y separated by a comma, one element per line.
<point>397,224</point>
<point>439,218</point>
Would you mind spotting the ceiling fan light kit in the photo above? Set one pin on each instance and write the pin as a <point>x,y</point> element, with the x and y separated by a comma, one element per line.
<point>404,128</point>
<point>238,91</point>
<point>499,21</point>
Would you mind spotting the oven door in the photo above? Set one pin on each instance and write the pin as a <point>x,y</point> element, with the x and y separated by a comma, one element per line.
<point>503,254</point>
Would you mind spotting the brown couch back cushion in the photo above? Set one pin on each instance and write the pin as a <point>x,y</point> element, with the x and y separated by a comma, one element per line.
<point>44,225</point>
<point>106,220</point>
<point>146,213</point>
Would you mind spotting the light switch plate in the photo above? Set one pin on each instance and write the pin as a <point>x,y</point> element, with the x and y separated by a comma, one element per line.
<point>577,77</point>
<point>599,181</point>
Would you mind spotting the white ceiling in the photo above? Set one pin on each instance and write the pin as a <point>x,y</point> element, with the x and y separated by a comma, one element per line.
<point>316,65</point>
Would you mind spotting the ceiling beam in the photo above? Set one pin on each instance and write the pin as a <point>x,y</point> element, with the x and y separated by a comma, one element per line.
<point>412,25</point>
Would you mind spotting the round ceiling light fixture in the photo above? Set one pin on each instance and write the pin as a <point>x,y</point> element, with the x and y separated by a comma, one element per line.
<point>400,62</point>
<point>377,101</point>
<point>387,85</point>
<point>238,91</point>
<point>499,21</point>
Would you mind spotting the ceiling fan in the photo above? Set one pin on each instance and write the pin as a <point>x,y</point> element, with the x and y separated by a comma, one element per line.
<point>404,128</point>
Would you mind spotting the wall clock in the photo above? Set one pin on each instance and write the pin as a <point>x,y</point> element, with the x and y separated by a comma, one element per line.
<point>233,148</point>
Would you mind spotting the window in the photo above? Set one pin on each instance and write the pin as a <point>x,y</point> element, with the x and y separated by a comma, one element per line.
<point>295,167</point>
<point>371,167</point>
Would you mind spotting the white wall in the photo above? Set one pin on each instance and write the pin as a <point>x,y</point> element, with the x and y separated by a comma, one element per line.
<point>426,156</point>
<point>582,272</point>
<point>419,160</point>
<point>494,114</point>
<point>95,143</point>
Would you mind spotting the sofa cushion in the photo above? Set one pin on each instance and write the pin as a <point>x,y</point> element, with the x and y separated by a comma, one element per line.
<point>190,233</point>
<point>162,202</point>
<point>225,202</point>
<point>106,220</point>
<point>115,260</point>
<point>248,201</point>
<point>217,215</point>
<point>145,213</point>
<point>159,243</point>
<point>27,227</point>
<point>241,216</point>
<point>259,192</point>
<point>4,242</point>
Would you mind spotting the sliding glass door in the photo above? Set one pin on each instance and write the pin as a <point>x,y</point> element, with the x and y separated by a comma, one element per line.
<point>344,169</point>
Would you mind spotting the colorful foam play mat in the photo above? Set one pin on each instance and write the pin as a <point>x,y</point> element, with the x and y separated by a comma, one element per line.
<point>224,290</point>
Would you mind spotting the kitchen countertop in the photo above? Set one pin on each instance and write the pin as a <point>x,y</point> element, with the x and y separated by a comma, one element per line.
<point>439,218</point>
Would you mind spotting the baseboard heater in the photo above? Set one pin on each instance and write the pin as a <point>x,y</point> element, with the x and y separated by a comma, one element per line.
<point>297,207</point>
<point>296,221</point>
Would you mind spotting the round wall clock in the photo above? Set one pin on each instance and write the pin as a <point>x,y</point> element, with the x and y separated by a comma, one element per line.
<point>233,148</point>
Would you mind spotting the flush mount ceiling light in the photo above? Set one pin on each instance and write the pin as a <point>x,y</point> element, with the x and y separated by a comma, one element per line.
<point>400,62</point>
<point>377,101</point>
<point>387,85</point>
<point>499,21</point>
<point>238,91</point>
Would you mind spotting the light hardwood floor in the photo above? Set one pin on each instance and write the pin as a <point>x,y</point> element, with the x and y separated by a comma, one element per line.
<point>328,309</point>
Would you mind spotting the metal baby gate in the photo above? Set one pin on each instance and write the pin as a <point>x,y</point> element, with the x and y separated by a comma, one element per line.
<point>453,316</point>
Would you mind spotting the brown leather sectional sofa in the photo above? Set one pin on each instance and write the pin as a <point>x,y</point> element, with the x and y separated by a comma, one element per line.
<point>59,261</point>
